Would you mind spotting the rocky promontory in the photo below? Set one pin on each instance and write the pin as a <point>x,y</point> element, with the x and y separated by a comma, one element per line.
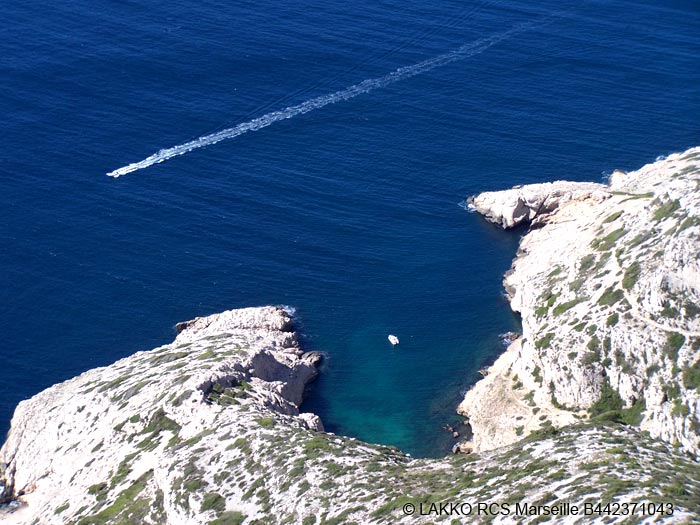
<point>607,282</point>
<point>532,204</point>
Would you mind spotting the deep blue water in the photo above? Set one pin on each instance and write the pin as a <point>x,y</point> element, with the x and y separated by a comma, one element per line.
<point>349,213</point>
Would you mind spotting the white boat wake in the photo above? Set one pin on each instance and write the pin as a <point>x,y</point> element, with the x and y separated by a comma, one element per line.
<point>465,51</point>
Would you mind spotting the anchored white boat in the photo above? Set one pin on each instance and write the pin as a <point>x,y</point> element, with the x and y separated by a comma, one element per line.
<point>393,339</point>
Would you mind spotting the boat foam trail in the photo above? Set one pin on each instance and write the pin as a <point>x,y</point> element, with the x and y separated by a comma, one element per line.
<point>465,51</point>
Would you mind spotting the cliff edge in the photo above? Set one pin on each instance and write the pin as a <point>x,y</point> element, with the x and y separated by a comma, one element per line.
<point>607,282</point>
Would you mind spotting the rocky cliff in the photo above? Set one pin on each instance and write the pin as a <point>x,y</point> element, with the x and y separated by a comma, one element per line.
<point>207,429</point>
<point>607,283</point>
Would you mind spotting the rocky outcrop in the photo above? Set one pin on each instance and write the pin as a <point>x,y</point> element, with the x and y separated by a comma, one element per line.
<point>535,202</point>
<point>129,420</point>
<point>609,293</point>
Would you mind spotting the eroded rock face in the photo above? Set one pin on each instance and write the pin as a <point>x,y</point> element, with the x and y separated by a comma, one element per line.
<point>608,290</point>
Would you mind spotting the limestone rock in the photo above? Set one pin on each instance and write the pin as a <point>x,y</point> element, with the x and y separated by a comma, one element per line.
<point>608,291</point>
<point>534,202</point>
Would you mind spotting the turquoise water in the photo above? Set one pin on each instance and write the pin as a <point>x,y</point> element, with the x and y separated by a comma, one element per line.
<point>348,212</point>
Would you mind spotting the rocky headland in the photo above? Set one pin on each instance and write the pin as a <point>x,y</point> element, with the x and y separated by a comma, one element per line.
<point>596,402</point>
<point>607,283</point>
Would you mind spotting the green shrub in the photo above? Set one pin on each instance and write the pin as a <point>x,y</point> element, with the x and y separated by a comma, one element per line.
<point>545,341</point>
<point>607,345</point>
<point>551,298</point>
<point>230,517</point>
<point>669,311</point>
<point>609,407</point>
<point>266,422</point>
<point>612,217</point>
<point>602,262</point>
<point>631,275</point>
<point>606,243</point>
<point>315,447</point>
<point>609,401</point>
<point>640,238</point>
<point>591,358</point>
<point>576,284</point>
<point>159,422</point>
<point>213,501</point>
<point>679,409</point>
<point>691,376</point>
<point>537,375</point>
<point>633,415</point>
<point>611,296</point>
<point>652,369</point>
<point>99,490</point>
<point>672,391</point>
<point>674,341</point>
<point>612,319</point>
<point>563,307</point>
<point>594,344</point>
<point>665,209</point>
<point>554,272</point>
<point>691,309</point>
<point>688,222</point>
<point>587,262</point>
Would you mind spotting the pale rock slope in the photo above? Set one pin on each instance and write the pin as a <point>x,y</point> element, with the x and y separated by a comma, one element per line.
<point>607,282</point>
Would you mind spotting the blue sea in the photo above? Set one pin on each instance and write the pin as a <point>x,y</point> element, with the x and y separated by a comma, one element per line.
<point>349,212</point>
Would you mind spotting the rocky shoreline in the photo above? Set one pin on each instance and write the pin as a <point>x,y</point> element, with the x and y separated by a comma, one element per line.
<point>156,401</point>
<point>596,401</point>
<point>607,283</point>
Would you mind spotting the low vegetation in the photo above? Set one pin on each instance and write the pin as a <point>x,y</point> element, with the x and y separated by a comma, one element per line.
<point>665,209</point>
<point>674,341</point>
<point>631,275</point>
<point>610,407</point>
<point>608,242</point>
<point>611,296</point>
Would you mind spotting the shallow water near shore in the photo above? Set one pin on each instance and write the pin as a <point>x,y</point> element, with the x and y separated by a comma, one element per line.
<point>349,213</point>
